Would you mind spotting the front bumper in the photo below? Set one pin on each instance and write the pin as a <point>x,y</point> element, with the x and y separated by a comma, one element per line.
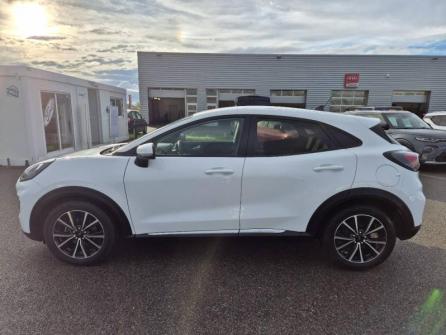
<point>27,192</point>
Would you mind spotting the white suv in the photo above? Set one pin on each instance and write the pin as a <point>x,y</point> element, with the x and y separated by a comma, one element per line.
<point>232,171</point>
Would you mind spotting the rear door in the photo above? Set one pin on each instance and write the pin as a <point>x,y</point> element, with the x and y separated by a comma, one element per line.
<point>293,166</point>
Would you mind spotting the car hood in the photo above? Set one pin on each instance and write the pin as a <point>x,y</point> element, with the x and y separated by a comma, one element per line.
<point>432,133</point>
<point>95,151</point>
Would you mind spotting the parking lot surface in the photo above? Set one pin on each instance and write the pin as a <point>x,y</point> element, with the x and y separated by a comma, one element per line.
<point>223,285</point>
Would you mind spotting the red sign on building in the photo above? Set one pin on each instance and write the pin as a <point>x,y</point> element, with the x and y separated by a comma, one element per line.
<point>351,80</point>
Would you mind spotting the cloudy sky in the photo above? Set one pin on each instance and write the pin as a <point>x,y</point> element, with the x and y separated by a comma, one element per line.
<point>97,39</point>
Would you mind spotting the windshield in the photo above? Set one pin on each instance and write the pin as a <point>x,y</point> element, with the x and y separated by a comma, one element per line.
<point>405,121</point>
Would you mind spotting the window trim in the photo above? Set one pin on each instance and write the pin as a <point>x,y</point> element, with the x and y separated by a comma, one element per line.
<point>253,131</point>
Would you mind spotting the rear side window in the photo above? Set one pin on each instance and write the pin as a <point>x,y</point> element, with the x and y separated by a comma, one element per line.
<point>344,139</point>
<point>439,120</point>
<point>277,137</point>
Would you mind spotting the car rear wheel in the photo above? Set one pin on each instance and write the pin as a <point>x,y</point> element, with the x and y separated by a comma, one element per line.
<point>79,233</point>
<point>360,238</point>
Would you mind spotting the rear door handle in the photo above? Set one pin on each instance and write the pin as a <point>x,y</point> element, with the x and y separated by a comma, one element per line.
<point>328,167</point>
<point>219,170</point>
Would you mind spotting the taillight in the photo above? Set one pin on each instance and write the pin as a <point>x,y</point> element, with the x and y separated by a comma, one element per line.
<point>407,159</point>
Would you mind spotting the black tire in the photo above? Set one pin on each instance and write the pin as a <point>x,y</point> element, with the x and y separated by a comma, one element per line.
<point>80,242</point>
<point>341,243</point>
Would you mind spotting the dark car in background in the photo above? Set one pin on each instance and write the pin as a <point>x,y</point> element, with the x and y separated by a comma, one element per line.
<point>411,131</point>
<point>136,122</point>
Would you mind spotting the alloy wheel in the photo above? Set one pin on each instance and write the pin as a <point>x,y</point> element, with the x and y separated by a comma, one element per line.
<point>78,234</point>
<point>360,238</point>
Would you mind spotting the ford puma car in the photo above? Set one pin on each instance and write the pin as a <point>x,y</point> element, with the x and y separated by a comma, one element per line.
<point>412,132</point>
<point>232,171</point>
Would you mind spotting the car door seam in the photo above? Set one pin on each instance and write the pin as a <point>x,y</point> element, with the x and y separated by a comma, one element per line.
<point>241,197</point>
<point>126,196</point>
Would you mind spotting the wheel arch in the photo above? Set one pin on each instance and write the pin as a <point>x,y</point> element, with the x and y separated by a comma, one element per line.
<point>44,204</point>
<point>386,201</point>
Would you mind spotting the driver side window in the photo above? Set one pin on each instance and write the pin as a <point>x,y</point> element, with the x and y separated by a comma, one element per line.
<point>212,139</point>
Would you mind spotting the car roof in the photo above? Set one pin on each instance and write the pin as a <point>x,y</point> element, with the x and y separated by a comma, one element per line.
<point>372,111</point>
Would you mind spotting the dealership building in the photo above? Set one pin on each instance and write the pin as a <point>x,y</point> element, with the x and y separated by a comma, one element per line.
<point>173,85</point>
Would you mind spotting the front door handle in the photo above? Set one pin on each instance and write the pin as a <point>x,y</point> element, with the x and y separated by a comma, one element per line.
<point>328,167</point>
<point>219,170</point>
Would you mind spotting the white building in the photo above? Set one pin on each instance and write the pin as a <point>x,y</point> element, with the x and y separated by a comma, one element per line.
<point>46,114</point>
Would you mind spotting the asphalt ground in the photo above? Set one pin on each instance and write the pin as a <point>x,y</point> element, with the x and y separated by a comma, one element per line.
<point>223,285</point>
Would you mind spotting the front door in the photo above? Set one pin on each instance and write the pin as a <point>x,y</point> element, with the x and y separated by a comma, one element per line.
<point>293,166</point>
<point>194,183</point>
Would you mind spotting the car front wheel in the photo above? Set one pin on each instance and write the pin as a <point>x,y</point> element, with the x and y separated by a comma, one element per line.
<point>360,238</point>
<point>79,233</point>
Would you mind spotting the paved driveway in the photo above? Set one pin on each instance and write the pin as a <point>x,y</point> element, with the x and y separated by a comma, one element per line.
<point>223,285</point>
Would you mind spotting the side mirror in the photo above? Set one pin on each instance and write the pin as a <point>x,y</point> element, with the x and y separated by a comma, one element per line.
<point>144,152</point>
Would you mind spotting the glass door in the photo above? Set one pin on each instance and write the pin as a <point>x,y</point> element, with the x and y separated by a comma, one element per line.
<point>57,120</point>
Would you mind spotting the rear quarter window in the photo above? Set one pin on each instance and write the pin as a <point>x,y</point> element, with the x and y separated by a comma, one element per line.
<point>378,130</point>
<point>343,139</point>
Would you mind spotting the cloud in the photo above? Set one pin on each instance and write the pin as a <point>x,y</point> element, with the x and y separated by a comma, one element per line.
<point>102,31</point>
<point>46,38</point>
<point>99,39</point>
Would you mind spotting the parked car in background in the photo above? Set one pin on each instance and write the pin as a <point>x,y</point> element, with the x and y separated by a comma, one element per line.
<point>437,120</point>
<point>232,171</point>
<point>412,132</point>
<point>136,122</point>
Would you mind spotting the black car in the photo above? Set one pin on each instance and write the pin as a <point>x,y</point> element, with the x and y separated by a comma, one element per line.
<point>136,122</point>
<point>412,132</point>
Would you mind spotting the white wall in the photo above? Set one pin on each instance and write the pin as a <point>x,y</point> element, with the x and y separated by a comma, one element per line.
<point>13,135</point>
<point>82,119</point>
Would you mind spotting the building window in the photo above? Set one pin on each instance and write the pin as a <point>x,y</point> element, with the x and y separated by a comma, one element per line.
<point>57,120</point>
<point>117,102</point>
<point>211,98</point>
<point>288,93</point>
<point>227,96</point>
<point>191,100</point>
<point>342,100</point>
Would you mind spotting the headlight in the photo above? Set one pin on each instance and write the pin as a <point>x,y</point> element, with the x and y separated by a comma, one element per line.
<point>33,170</point>
<point>427,139</point>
